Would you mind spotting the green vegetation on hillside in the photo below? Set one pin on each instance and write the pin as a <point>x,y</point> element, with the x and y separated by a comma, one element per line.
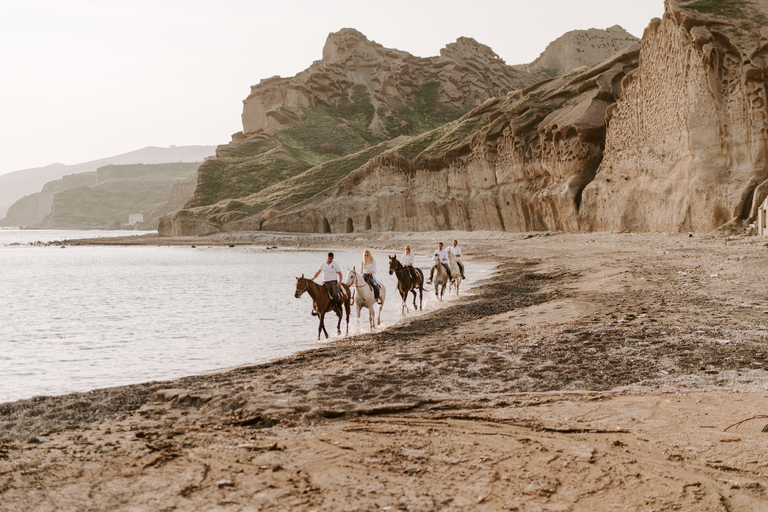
<point>291,191</point>
<point>725,8</point>
<point>121,190</point>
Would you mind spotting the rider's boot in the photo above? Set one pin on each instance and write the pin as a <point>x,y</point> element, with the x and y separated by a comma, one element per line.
<point>431,273</point>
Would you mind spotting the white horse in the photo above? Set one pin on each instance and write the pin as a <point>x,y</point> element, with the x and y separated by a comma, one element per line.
<point>365,297</point>
<point>441,277</point>
<point>455,272</point>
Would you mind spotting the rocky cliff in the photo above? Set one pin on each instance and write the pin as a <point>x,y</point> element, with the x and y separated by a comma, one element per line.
<point>516,163</point>
<point>465,74</point>
<point>670,137</point>
<point>686,144</point>
<point>303,135</point>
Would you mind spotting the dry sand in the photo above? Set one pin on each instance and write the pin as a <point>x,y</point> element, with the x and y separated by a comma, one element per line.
<point>593,372</point>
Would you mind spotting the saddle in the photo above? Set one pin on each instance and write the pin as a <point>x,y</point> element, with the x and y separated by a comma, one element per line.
<point>330,293</point>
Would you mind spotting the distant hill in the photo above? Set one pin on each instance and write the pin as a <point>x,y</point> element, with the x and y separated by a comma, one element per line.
<point>580,48</point>
<point>17,184</point>
<point>106,197</point>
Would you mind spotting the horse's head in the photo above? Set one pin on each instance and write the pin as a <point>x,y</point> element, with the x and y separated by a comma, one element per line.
<point>302,285</point>
<point>351,276</point>
<point>394,264</point>
<point>435,259</point>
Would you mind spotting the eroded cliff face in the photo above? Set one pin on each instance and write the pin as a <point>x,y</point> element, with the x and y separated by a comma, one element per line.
<point>518,163</point>
<point>467,72</point>
<point>686,143</point>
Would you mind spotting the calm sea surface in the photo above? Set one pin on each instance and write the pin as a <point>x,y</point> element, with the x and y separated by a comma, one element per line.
<point>81,318</point>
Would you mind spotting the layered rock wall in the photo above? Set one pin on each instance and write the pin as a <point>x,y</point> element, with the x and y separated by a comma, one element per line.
<point>686,143</point>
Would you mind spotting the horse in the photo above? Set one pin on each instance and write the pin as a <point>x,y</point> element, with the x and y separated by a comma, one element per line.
<point>441,277</point>
<point>365,297</point>
<point>455,272</point>
<point>322,302</point>
<point>406,283</point>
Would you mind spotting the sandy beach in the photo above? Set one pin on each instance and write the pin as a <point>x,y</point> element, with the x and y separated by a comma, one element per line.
<point>594,371</point>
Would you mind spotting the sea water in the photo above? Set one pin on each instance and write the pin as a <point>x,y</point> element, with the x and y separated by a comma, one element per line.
<point>77,318</point>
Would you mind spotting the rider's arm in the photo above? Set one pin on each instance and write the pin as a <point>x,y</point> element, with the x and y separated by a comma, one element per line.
<point>318,273</point>
<point>340,276</point>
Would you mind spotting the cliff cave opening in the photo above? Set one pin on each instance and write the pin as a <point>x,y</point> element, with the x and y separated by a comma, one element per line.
<point>367,222</point>
<point>350,226</point>
<point>326,226</point>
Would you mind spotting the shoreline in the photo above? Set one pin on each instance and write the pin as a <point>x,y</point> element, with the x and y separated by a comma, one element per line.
<point>609,365</point>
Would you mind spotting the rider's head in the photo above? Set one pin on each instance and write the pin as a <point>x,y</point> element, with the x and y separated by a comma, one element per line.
<point>330,257</point>
<point>407,248</point>
<point>440,244</point>
<point>455,243</point>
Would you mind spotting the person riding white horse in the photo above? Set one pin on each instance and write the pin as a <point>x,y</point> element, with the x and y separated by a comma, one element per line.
<point>368,269</point>
<point>365,297</point>
<point>442,255</point>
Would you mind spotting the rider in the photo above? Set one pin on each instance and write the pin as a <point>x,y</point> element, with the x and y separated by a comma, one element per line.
<point>368,268</point>
<point>457,253</point>
<point>443,255</point>
<point>330,270</point>
<point>407,261</point>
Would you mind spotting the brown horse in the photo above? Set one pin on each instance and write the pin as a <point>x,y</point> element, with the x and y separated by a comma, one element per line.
<point>406,283</point>
<point>322,302</point>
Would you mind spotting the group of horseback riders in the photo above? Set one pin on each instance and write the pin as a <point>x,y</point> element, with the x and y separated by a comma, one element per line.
<point>332,271</point>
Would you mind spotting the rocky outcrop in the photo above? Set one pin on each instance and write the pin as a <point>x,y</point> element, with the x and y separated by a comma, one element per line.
<point>686,144</point>
<point>467,72</point>
<point>581,48</point>
<point>518,163</point>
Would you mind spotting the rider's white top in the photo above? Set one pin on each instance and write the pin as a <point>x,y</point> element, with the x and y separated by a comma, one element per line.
<point>330,271</point>
<point>407,259</point>
<point>370,269</point>
<point>443,255</point>
<point>456,251</point>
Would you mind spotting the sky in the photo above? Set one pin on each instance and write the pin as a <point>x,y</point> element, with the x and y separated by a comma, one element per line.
<point>82,80</point>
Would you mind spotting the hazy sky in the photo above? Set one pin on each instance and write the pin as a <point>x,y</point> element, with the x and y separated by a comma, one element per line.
<point>87,79</point>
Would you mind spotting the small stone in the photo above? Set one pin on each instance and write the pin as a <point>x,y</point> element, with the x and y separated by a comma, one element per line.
<point>225,483</point>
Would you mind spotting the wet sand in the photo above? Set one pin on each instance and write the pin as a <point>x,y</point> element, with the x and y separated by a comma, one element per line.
<point>592,372</point>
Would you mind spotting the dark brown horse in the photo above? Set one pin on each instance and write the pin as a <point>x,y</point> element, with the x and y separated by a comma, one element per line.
<point>406,283</point>
<point>322,302</point>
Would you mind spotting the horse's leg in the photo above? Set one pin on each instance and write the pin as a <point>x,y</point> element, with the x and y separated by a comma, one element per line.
<point>338,325</point>
<point>347,308</point>
<point>321,327</point>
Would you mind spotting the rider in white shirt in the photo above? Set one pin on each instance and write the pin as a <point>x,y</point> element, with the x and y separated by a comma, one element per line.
<point>443,255</point>
<point>457,253</point>
<point>331,270</point>
<point>368,268</point>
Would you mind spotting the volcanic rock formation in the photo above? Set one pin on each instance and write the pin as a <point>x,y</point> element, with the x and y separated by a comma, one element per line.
<point>468,73</point>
